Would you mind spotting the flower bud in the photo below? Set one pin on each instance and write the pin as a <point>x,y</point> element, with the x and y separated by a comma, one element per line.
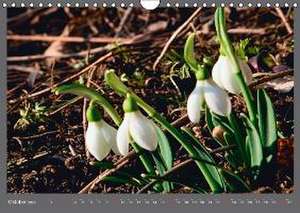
<point>218,133</point>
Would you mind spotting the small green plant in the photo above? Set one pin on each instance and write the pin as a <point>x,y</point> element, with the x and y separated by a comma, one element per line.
<point>31,115</point>
<point>178,66</point>
<point>245,48</point>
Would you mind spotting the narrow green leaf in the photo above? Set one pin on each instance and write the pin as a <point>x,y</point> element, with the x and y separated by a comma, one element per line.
<point>209,171</point>
<point>234,182</point>
<point>163,157</point>
<point>208,119</point>
<point>165,150</point>
<point>145,158</point>
<point>253,143</point>
<point>212,121</point>
<point>189,53</point>
<point>232,156</point>
<point>161,170</point>
<point>112,80</point>
<point>137,178</point>
<point>116,180</point>
<point>103,165</point>
<point>178,182</point>
<point>239,136</point>
<point>266,121</point>
<point>121,180</point>
<point>223,122</point>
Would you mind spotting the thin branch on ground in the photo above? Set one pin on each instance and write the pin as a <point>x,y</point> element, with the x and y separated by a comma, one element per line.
<point>97,62</point>
<point>135,40</point>
<point>271,77</point>
<point>123,21</point>
<point>23,161</point>
<point>35,136</point>
<point>284,20</point>
<point>119,164</point>
<point>72,39</point>
<point>174,35</point>
<point>242,30</point>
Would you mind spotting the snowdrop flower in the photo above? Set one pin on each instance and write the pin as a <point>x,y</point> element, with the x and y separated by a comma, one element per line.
<point>224,75</point>
<point>100,137</point>
<point>137,127</point>
<point>207,92</point>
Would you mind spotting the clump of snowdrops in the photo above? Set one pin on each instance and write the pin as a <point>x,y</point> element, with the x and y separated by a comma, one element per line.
<point>252,136</point>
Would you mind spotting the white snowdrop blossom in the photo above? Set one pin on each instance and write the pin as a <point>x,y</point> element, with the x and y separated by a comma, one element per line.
<point>224,75</point>
<point>100,137</point>
<point>136,128</point>
<point>207,92</point>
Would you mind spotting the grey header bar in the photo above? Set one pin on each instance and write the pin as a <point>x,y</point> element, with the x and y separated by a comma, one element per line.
<point>136,3</point>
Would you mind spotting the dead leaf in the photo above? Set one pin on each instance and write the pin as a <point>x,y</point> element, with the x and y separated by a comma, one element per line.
<point>34,75</point>
<point>54,51</point>
<point>157,26</point>
<point>282,85</point>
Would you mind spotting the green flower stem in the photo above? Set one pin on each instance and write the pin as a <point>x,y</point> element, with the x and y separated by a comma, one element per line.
<point>81,90</point>
<point>228,48</point>
<point>250,103</point>
<point>117,85</point>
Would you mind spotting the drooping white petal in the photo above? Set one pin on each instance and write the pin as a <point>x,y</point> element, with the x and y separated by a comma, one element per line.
<point>246,70</point>
<point>218,70</point>
<point>216,98</point>
<point>195,102</point>
<point>95,141</point>
<point>110,135</point>
<point>230,82</point>
<point>142,131</point>
<point>228,79</point>
<point>223,74</point>
<point>123,137</point>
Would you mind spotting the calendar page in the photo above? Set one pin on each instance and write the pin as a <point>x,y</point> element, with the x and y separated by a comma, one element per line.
<point>149,105</point>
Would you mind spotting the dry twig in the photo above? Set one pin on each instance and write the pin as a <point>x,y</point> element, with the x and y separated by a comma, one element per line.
<point>100,60</point>
<point>271,77</point>
<point>35,136</point>
<point>72,39</point>
<point>119,164</point>
<point>242,30</point>
<point>174,35</point>
<point>123,21</point>
<point>284,20</point>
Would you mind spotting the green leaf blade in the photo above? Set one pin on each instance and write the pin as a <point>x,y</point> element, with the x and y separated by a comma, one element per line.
<point>234,182</point>
<point>253,143</point>
<point>189,53</point>
<point>165,150</point>
<point>209,171</point>
<point>266,119</point>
